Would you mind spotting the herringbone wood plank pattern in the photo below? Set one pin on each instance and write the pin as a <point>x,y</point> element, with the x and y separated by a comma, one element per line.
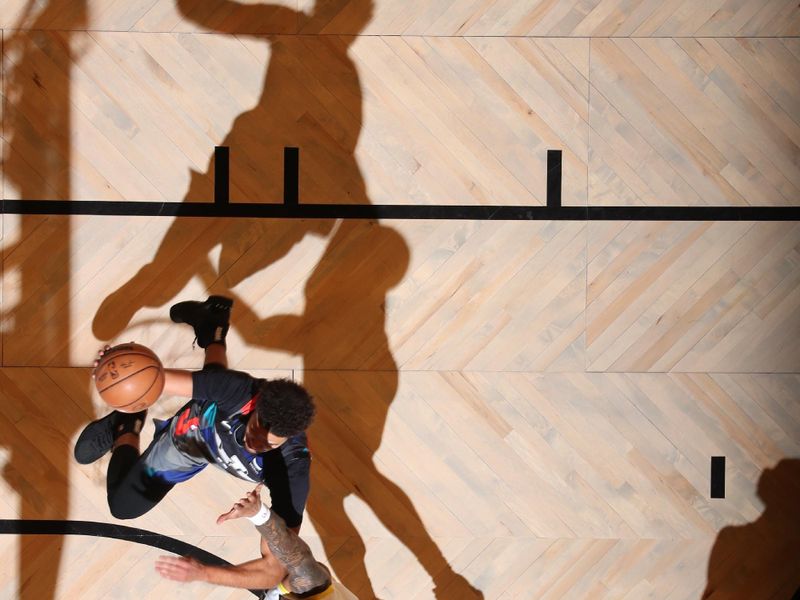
<point>694,121</point>
<point>693,297</point>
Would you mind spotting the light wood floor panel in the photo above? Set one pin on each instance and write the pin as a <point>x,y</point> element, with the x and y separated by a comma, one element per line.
<point>661,297</point>
<point>694,121</point>
<point>432,294</point>
<point>105,568</point>
<point>384,120</point>
<point>561,18</point>
<point>148,108</point>
<point>579,485</point>
<point>693,297</point>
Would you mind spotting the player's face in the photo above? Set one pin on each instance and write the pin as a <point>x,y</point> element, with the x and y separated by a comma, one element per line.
<point>258,439</point>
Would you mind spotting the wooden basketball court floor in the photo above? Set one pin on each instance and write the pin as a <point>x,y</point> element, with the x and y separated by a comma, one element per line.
<point>527,406</point>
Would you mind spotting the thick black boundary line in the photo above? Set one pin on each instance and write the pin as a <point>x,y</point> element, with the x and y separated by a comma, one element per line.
<point>112,531</point>
<point>400,211</point>
<point>291,208</point>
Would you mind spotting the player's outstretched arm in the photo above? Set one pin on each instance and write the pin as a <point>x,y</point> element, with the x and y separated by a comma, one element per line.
<point>255,574</point>
<point>304,573</point>
<point>178,382</point>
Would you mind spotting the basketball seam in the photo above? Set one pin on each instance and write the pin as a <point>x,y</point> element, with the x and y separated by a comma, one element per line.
<point>135,353</point>
<point>102,364</point>
<point>158,368</point>
<point>147,391</point>
<point>127,376</point>
<point>142,395</point>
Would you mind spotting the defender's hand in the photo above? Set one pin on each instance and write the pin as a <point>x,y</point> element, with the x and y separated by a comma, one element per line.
<point>180,568</point>
<point>247,506</point>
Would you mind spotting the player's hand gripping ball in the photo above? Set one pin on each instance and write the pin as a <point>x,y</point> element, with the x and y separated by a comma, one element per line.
<point>129,377</point>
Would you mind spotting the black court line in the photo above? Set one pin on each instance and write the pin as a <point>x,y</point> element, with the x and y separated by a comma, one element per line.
<point>554,178</point>
<point>112,531</point>
<point>222,175</point>
<point>291,208</point>
<point>400,211</point>
<point>717,476</point>
<point>291,176</point>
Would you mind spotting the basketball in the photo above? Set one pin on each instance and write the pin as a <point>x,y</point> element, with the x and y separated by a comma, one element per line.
<point>129,377</point>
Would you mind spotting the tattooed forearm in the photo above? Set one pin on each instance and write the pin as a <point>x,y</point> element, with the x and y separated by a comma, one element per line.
<point>305,573</point>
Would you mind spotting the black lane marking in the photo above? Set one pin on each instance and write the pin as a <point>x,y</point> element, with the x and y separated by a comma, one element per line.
<point>291,176</point>
<point>112,531</point>
<point>222,170</point>
<point>695,213</point>
<point>401,211</point>
<point>553,178</point>
<point>293,209</point>
<point>717,476</point>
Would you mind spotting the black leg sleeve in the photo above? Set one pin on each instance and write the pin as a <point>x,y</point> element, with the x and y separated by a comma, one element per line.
<point>131,491</point>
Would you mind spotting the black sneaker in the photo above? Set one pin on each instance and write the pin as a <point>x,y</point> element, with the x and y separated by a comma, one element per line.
<point>209,319</point>
<point>98,437</point>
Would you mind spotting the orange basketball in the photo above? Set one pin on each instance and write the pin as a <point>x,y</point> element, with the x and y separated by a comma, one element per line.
<point>129,377</point>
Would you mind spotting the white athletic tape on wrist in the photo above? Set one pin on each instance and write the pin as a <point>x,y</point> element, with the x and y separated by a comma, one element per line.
<point>261,517</point>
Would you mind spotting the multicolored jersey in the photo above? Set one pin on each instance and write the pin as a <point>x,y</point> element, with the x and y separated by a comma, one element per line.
<point>211,427</point>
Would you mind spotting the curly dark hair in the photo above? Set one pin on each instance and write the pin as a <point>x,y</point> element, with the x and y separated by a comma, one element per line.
<point>285,407</point>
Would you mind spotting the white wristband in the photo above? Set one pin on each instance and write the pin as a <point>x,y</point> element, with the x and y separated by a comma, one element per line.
<point>262,516</point>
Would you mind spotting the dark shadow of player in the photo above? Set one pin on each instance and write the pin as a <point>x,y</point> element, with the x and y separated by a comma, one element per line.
<point>761,560</point>
<point>311,99</point>
<point>350,369</point>
<point>37,65</point>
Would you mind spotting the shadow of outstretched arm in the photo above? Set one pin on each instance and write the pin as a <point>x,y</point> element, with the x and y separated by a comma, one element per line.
<point>224,16</point>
